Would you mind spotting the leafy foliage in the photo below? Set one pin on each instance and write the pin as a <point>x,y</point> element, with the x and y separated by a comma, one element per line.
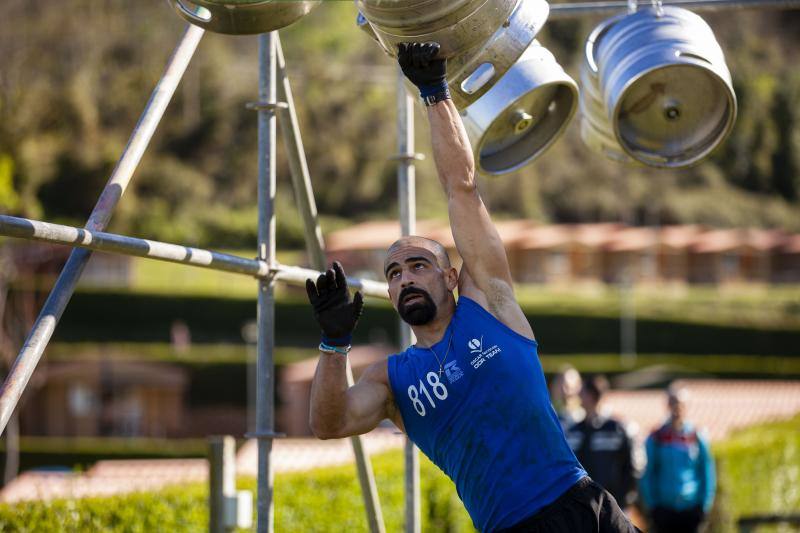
<point>759,473</point>
<point>73,81</point>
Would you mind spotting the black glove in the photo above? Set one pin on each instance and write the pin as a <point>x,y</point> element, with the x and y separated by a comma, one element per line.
<point>333,310</point>
<point>423,69</point>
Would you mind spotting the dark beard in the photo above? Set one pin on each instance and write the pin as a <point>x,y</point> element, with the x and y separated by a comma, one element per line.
<point>418,313</point>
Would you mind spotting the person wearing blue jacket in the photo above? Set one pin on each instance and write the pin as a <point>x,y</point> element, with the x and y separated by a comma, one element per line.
<point>679,482</point>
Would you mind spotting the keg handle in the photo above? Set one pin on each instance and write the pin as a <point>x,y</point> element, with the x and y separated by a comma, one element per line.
<point>200,15</point>
<point>659,7</point>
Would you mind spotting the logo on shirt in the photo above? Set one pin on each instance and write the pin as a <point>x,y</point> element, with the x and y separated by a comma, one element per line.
<point>475,345</point>
<point>452,371</point>
<point>481,354</point>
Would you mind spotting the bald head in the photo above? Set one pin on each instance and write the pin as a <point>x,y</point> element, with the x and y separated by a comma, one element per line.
<point>436,248</point>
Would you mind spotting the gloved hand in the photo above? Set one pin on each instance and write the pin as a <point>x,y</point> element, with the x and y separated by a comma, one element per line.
<point>333,310</point>
<point>422,68</point>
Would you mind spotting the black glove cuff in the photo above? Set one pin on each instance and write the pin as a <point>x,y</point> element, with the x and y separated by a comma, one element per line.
<point>434,99</point>
<point>337,341</point>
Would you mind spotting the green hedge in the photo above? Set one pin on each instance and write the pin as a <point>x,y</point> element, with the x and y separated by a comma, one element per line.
<point>147,318</point>
<point>173,509</point>
<point>759,473</point>
<point>322,500</point>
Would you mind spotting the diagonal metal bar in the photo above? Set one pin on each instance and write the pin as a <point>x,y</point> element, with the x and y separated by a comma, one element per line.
<point>304,196</point>
<point>580,9</point>
<point>298,166</point>
<point>45,324</point>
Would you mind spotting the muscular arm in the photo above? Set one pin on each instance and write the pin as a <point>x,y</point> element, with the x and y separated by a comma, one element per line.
<point>340,411</point>
<point>476,238</point>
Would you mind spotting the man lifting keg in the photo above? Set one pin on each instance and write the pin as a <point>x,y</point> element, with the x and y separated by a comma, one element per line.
<point>470,393</point>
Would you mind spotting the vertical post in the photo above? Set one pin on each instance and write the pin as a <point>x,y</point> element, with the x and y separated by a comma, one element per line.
<point>45,324</point>
<point>265,380</point>
<point>304,195</point>
<point>406,175</point>
<point>221,480</point>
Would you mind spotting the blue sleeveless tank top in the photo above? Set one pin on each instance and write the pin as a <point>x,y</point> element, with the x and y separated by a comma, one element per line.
<point>487,422</point>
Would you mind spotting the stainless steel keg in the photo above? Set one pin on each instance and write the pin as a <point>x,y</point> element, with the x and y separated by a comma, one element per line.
<point>481,39</point>
<point>665,86</point>
<point>595,129</point>
<point>243,16</point>
<point>522,114</point>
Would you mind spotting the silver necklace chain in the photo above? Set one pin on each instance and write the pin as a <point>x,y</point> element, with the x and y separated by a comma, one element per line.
<point>446,353</point>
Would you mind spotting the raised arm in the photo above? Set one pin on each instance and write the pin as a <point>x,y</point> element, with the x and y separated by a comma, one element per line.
<point>475,235</point>
<point>338,410</point>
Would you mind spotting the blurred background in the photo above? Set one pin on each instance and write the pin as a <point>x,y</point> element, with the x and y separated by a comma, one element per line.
<point>646,276</point>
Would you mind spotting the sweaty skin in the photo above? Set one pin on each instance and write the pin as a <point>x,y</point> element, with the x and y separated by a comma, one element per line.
<point>340,411</point>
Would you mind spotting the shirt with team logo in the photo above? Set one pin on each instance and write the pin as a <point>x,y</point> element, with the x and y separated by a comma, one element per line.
<point>485,417</point>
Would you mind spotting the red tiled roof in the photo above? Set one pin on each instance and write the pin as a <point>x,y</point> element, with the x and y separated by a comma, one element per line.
<point>545,237</point>
<point>724,240</point>
<point>524,234</point>
<point>679,236</point>
<point>717,406</point>
<point>632,239</point>
<point>379,234</point>
<point>595,235</point>
<point>791,245</point>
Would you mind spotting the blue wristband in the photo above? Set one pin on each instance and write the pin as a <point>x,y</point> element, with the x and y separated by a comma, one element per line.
<point>430,90</point>
<point>337,341</point>
<point>341,350</point>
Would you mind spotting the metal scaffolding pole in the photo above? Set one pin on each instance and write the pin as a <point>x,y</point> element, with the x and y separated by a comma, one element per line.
<point>265,376</point>
<point>45,324</point>
<point>580,9</point>
<point>406,191</point>
<point>304,196</point>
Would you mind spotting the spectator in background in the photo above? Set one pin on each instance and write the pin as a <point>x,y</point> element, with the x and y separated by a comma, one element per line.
<point>603,446</point>
<point>564,390</point>
<point>679,482</point>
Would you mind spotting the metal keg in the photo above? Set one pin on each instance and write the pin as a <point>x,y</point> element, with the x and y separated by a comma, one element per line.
<point>665,86</point>
<point>240,17</point>
<point>522,114</point>
<point>481,39</point>
<point>595,129</point>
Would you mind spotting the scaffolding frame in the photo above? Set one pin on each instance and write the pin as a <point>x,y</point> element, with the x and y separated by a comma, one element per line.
<point>275,101</point>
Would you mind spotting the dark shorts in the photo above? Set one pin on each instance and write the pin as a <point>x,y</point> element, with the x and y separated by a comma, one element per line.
<point>585,507</point>
<point>671,521</point>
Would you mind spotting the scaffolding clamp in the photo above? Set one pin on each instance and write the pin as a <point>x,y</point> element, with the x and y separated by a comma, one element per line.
<point>410,156</point>
<point>266,106</point>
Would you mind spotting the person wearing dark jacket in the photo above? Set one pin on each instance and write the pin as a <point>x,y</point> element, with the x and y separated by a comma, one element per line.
<point>603,446</point>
